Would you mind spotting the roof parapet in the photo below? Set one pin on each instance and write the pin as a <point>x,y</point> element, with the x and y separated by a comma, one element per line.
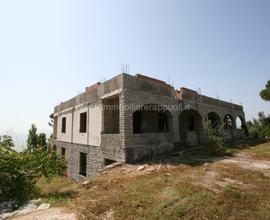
<point>179,94</point>
<point>89,88</point>
<point>183,89</point>
<point>140,76</point>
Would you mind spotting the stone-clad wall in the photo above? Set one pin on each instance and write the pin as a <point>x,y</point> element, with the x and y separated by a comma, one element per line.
<point>239,133</point>
<point>95,158</point>
<point>149,145</point>
<point>146,148</point>
<point>111,147</point>
<point>139,146</point>
<point>143,85</point>
<point>111,116</point>
<point>204,105</point>
<point>119,143</point>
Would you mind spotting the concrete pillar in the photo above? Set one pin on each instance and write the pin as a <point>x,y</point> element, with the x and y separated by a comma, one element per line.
<point>125,124</point>
<point>55,127</point>
<point>72,125</point>
<point>175,119</point>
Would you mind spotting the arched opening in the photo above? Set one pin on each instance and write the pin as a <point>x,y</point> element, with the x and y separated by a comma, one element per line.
<point>151,118</point>
<point>190,127</point>
<point>214,119</point>
<point>54,148</point>
<point>228,122</point>
<point>239,122</point>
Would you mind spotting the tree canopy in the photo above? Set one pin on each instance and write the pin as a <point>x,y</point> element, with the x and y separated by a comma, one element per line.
<point>6,142</point>
<point>35,140</point>
<point>51,122</point>
<point>259,127</point>
<point>265,93</point>
<point>19,171</point>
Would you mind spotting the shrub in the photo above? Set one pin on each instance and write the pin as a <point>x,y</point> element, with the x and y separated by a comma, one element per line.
<point>259,128</point>
<point>254,132</point>
<point>215,144</point>
<point>265,131</point>
<point>19,172</point>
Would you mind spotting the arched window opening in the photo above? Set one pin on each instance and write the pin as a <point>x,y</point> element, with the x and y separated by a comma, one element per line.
<point>214,119</point>
<point>239,122</point>
<point>228,122</point>
<point>190,127</point>
<point>190,120</point>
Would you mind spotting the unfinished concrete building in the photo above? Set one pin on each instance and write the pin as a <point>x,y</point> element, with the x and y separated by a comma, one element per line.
<point>130,118</point>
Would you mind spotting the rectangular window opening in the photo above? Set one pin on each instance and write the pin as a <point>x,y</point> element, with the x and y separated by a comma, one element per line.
<point>64,122</point>
<point>63,152</point>
<point>137,121</point>
<point>83,122</point>
<point>83,162</point>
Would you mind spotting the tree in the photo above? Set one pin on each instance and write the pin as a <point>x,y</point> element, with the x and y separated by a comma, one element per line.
<point>51,122</point>
<point>35,140</point>
<point>20,171</point>
<point>265,93</point>
<point>32,140</point>
<point>42,140</point>
<point>264,120</point>
<point>6,142</point>
<point>259,127</point>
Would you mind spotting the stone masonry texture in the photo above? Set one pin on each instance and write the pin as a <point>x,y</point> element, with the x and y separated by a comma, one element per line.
<point>110,131</point>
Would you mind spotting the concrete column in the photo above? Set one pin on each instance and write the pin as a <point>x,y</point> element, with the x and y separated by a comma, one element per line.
<point>72,126</point>
<point>55,127</point>
<point>176,127</point>
<point>88,124</point>
<point>125,123</point>
<point>102,116</point>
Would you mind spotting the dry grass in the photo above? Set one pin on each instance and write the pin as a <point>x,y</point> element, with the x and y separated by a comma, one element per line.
<point>261,151</point>
<point>174,190</point>
<point>59,191</point>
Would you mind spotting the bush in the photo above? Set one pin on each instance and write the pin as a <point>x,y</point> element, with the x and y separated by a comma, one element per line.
<point>19,172</point>
<point>254,132</point>
<point>215,144</point>
<point>265,131</point>
<point>12,178</point>
<point>259,128</point>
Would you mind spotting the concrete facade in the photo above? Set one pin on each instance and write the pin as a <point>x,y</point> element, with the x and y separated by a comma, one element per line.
<point>129,118</point>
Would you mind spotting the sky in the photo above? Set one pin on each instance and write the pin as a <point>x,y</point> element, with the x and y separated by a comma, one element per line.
<point>50,50</point>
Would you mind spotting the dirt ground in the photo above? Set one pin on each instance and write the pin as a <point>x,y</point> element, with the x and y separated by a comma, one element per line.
<point>49,214</point>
